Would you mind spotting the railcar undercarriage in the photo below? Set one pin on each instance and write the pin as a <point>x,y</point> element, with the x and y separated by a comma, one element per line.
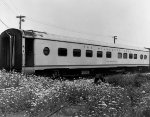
<point>89,73</point>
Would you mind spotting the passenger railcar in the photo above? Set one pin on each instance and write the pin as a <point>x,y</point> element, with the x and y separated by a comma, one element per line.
<point>29,51</point>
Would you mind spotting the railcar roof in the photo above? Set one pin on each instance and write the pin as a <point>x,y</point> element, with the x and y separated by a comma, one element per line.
<point>48,36</point>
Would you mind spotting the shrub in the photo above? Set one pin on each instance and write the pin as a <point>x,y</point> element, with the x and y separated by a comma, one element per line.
<point>8,80</point>
<point>41,96</point>
<point>16,99</point>
<point>97,100</point>
<point>134,80</point>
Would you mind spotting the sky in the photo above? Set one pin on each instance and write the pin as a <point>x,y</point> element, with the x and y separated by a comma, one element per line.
<point>100,20</point>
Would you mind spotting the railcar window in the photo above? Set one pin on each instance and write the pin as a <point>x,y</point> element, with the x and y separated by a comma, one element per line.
<point>62,51</point>
<point>89,53</point>
<point>145,56</point>
<point>99,54</point>
<point>125,55</point>
<point>46,51</point>
<point>141,56</point>
<point>119,55</point>
<point>76,52</point>
<point>108,54</point>
<point>135,56</point>
<point>130,56</point>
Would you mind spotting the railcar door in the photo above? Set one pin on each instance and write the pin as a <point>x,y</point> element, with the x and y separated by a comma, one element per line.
<point>29,52</point>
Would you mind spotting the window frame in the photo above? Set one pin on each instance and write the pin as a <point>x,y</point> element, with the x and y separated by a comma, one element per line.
<point>46,51</point>
<point>125,55</point>
<point>141,56</point>
<point>108,54</point>
<point>130,56</point>
<point>119,55</point>
<point>89,53</point>
<point>135,56</point>
<point>76,52</point>
<point>145,57</point>
<point>62,52</point>
<point>99,54</point>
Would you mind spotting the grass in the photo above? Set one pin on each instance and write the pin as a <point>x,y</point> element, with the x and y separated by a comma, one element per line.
<point>122,96</point>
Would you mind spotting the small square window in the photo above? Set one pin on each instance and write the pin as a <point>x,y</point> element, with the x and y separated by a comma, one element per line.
<point>99,54</point>
<point>125,55</point>
<point>135,56</point>
<point>119,55</point>
<point>141,56</point>
<point>89,53</point>
<point>62,51</point>
<point>145,56</point>
<point>76,52</point>
<point>108,54</point>
<point>130,56</point>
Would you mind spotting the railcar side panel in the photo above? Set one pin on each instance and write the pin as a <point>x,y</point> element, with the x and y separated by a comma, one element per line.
<point>53,60</point>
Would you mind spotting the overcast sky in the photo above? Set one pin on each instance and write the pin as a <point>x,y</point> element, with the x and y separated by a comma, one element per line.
<point>89,19</point>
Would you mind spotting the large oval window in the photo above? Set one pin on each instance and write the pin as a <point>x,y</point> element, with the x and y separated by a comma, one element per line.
<point>46,51</point>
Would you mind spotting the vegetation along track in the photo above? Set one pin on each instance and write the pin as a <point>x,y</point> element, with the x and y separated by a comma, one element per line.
<point>36,96</point>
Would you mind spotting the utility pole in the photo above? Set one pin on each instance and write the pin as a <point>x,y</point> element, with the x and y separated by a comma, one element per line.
<point>115,37</point>
<point>21,19</point>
